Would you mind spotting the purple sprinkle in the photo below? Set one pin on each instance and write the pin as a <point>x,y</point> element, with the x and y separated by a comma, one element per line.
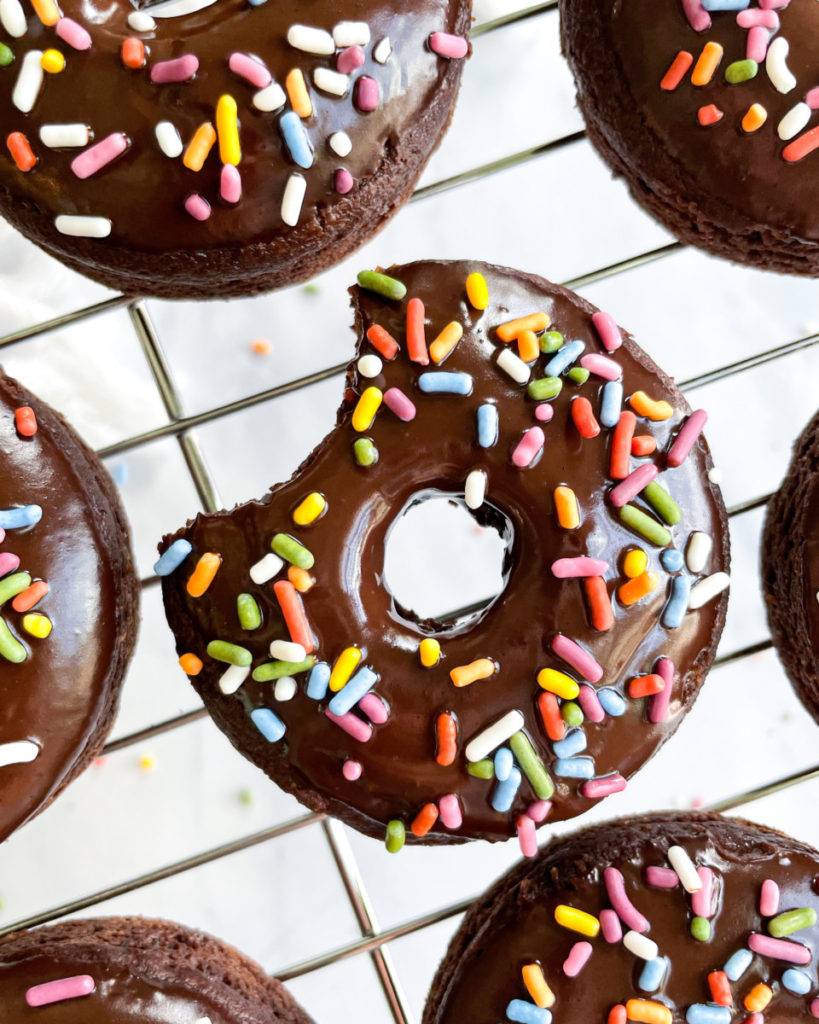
<point>181,69</point>
<point>366,94</point>
<point>350,60</point>
<point>343,181</point>
<point>396,401</point>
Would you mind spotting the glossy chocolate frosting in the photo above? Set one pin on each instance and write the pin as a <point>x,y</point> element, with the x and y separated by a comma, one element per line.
<point>63,696</point>
<point>350,604</point>
<point>514,924</point>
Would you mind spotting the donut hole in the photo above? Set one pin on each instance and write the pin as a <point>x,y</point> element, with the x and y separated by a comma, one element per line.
<point>444,565</point>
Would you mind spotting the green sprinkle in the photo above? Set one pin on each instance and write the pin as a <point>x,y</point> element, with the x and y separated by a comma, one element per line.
<point>551,341</point>
<point>545,388</point>
<point>246,797</point>
<point>6,56</point>
<point>701,929</point>
<point>741,71</point>
<point>290,550</point>
<point>396,834</point>
<point>533,768</point>
<point>278,669</point>
<point>643,524</point>
<point>13,585</point>
<point>577,375</point>
<point>10,648</point>
<point>792,921</point>
<point>248,611</point>
<point>311,289</point>
<point>366,454</point>
<point>663,504</point>
<point>231,654</point>
<point>482,769</point>
<point>381,284</point>
<point>571,713</point>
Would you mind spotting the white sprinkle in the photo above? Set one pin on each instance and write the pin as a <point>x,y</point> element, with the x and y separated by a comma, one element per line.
<point>169,139</point>
<point>13,18</point>
<point>698,550</point>
<point>331,81</point>
<point>715,475</point>
<point>29,81</point>
<point>776,67</point>
<point>285,688</point>
<point>369,366</point>
<point>488,740</point>
<point>179,8</point>
<point>514,366</point>
<point>311,40</point>
<point>231,680</point>
<point>475,488</point>
<point>293,198</point>
<point>83,227</point>
<point>266,568</point>
<point>64,136</point>
<point>141,21</point>
<point>285,650</point>
<point>351,33</point>
<point>270,98</point>
<point>640,945</point>
<point>705,590</point>
<point>382,51</point>
<point>20,752</point>
<point>794,121</point>
<point>340,143</point>
<point>684,866</point>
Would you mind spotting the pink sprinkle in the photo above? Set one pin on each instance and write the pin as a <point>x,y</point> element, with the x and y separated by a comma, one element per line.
<point>8,562</point>
<point>180,69</point>
<point>449,808</point>
<point>624,908</point>
<point>396,401</point>
<point>526,835</point>
<point>197,206</point>
<point>574,655</point>
<point>101,153</point>
<point>447,45</point>
<point>757,1018</point>
<point>577,959</point>
<point>596,789</point>
<point>572,568</point>
<point>544,412</point>
<point>589,702</point>
<point>251,69</point>
<point>352,725</point>
<point>771,5</point>
<point>686,438</point>
<point>351,770</point>
<point>812,98</point>
<point>366,94</point>
<point>814,1009</point>
<point>539,810</point>
<point>779,949</point>
<point>662,878</point>
<point>601,366</point>
<point>64,988</point>
<point>350,60</point>
<point>635,482</point>
<point>343,181</point>
<point>698,18</point>
<point>529,447</point>
<point>608,330</point>
<point>756,45</point>
<point>230,184</point>
<point>610,926</point>
<point>374,708</point>
<point>702,901</point>
<point>73,33</point>
<point>753,18</point>
<point>2,534</point>
<point>659,702</point>
<point>769,898</point>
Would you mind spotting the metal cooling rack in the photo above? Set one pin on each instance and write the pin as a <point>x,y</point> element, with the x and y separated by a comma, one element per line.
<point>374,939</point>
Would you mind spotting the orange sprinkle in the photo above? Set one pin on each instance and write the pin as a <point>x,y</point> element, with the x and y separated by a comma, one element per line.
<point>463,675</point>
<point>202,575</point>
<point>758,998</point>
<point>597,593</point>
<point>620,465</point>
<point>643,444</point>
<point>447,733</point>
<point>755,117</point>
<point>47,11</point>
<point>528,346</point>
<point>800,147</point>
<point>382,341</point>
<point>676,72</point>
<point>294,617</point>
<point>650,408</point>
<point>424,820</point>
<point>297,93</point>
<point>646,686</point>
<point>617,1015</point>
<point>647,1011</point>
<point>300,578</point>
<point>635,590</point>
<point>445,342</point>
<point>416,338</point>
<point>21,152</point>
<point>709,115</point>
<point>720,988</point>
<point>190,664</point>
<point>25,421</point>
<point>550,713</point>
<point>27,598</point>
<point>133,52</point>
<point>583,417</point>
<point>512,328</point>
<point>568,513</point>
<point>707,64</point>
<point>261,346</point>
<point>536,986</point>
<point>200,145</point>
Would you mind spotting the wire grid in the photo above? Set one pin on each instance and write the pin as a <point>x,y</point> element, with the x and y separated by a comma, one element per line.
<point>374,939</point>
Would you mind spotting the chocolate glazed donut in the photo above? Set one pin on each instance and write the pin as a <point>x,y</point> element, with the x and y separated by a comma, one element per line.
<point>200,148</point>
<point>573,665</point>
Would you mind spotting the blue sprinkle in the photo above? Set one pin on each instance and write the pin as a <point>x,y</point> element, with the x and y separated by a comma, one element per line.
<point>120,473</point>
<point>504,793</point>
<point>318,681</point>
<point>522,1012</point>
<point>700,1013</point>
<point>672,560</point>
<point>487,425</point>
<point>725,5</point>
<point>296,139</point>
<point>172,557</point>
<point>352,692</point>
<point>651,976</point>
<point>268,724</point>
<point>256,3</point>
<point>796,981</point>
<point>23,515</point>
<point>738,963</point>
<point>611,403</point>
<point>574,767</point>
<point>564,358</point>
<point>504,763</point>
<point>677,606</point>
<point>572,743</point>
<point>440,382</point>
<point>612,702</point>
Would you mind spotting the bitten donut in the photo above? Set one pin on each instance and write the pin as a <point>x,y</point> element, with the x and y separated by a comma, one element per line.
<point>129,970</point>
<point>790,568</point>
<point>707,109</point>
<point>200,148</point>
<point>515,399</point>
<point>68,604</point>
<point>659,919</point>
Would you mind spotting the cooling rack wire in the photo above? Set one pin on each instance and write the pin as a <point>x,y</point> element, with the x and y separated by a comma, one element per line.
<point>374,940</point>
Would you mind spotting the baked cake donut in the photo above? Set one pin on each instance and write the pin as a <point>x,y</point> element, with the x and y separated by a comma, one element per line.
<point>68,604</point>
<point>658,919</point>
<point>707,109</point>
<point>790,568</point>
<point>200,148</point>
<point>128,970</point>
<point>514,399</point>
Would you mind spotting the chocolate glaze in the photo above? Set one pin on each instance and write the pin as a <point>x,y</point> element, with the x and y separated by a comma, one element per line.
<point>513,924</point>
<point>350,605</point>
<point>64,695</point>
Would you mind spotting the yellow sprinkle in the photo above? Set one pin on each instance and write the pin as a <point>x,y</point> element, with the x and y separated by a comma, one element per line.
<point>635,563</point>
<point>147,763</point>
<point>652,409</point>
<point>344,667</point>
<point>310,509</point>
<point>190,664</point>
<point>227,128</point>
<point>537,987</point>
<point>445,342</point>
<point>52,61</point>
<point>758,998</point>
<point>477,291</point>
<point>577,920</point>
<point>558,683</point>
<point>430,652</point>
<point>297,93</point>
<point>47,11</point>
<point>365,410</point>
<point>200,145</point>
<point>568,512</point>
<point>37,625</point>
